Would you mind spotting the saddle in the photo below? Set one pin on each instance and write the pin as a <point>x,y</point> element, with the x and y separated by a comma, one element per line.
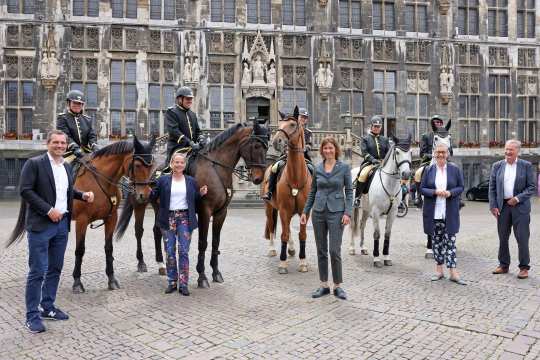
<point>369,178</point>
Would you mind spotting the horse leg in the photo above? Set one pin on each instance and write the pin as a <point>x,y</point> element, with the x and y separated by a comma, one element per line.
<point>376,237</point>
<point>204,223</point>
<point>217,224</point>
<point>302,236</point>
<point>81,226</point>
<point>363,223</point>
<point>110,224</point>
<point>139,230</point>
<point>429,248</point>
<point>270,229</point>
<point>387,231</point>
<point>162,269</point>
<point>285,234</point>
<point>353,231</point>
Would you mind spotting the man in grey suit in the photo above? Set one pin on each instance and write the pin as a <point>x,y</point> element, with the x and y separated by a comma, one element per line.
<point>511,184</point>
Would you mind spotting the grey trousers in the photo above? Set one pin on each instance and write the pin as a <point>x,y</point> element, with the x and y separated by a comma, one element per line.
<point>510,218</point>
<point>328,223</point>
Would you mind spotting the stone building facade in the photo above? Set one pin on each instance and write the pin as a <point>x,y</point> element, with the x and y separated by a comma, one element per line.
<point>474,61</point>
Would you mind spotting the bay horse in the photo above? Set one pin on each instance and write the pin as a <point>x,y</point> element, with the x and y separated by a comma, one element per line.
<point>383,198</point>
<point>213,166</point>
<point>291,193</point>
<point>101,173</point>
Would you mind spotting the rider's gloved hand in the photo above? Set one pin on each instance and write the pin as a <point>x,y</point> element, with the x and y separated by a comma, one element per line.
<point>376,162</point>
<point>78,153</point>
<point>195,146</point>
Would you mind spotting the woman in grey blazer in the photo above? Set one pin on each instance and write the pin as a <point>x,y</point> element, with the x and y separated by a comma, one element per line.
<point>330,198</point>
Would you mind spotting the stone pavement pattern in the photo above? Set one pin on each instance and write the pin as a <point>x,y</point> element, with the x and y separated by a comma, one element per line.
<point>392,313</point>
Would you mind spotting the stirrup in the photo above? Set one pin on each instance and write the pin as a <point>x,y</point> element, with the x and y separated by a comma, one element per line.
<point>357,202</point>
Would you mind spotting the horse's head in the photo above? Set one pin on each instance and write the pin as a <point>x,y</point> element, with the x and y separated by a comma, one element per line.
<point>402,156</point>
<point>289,133</point>
<point>442,136</point>
<point>253,151</point>
<point>140,168</point>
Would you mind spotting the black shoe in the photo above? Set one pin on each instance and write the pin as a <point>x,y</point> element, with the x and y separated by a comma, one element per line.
<point>54,314</point>
<point>340,293</point>
<point>320,292</point>
<point>267,196</point>
<point>183,290</point>
<point>170,289</point>
<point>35,326</point>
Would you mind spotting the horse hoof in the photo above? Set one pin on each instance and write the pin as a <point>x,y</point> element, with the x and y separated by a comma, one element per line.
<point>217,277</point>
<point>363,252</point>
<point>162,271</point>
<point>141,267</point>
<point>203,284</point>
<point>352,252</point>
<point>114,285</point>
<point>283,271</point>
<point>78,288</point>
<point>272,253</point>
<point>377,264</point>
<point>388,262</point>
<point>291,252</point>
<point>303,268</point>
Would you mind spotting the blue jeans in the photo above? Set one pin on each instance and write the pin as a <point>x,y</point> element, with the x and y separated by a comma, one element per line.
<point>45,259</point>
<point>177,271</point>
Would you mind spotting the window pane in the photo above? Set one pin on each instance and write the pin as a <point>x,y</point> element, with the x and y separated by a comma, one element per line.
<point>169,9</point>
<point>521,130</point>
<point>131,9</point>
<point>28,6</point>
<point>153,123</point>
<point>357,102</point>
<point>154,97</point>
<point>390,81</point>
<point>300,12</point>
<point>345,100</point>
<point>130,96</point>
<point>423,105</point>
<point>287,101</point>
<point>378,80</point>
<point>131,71</point>
<point>11,120</point>
<point>391,104</point>
<point>355,14</point>
<point>412,129</point>
<point>229,10</point>
<point>378,103</point>
<point>343,13</point>
<point>532,108</point>
<point>116,96</point>
<point>215,99</point>
<point>77,86</point>
<point>301,98</point>
<point>462,21</point>
<point>93,8</point>
<point>117,7</point>
<point>505,107</point>
<point>520,24</point>
<point>13,6</point>
<point>27,93</point>
<point>91,95</point>
<point>215,10</point>
<point>377,16</point>
<point>409,18</point>
<point>265,11</point>
<point>492,84</point>
<point>520,108</point>
<point>492,23</point>
<point>168,95</point>
<point>252,11</point>
<point>228,99</point>
<point>492,107</point>
<point>27,116</point>
<point>116,71</point>
<point>473,22</point>
<point>287,8</point>
<point>411,106</point>
<point>462,106</point>
<point>473,106</point>
<point>131,120</point>
<point>422,19</point>
<point>503,23</point>
<point>115,123</point>
<point>155,9</point>
<point>12,91</point>
<point>389,17</point>
<point>492,130</point>
<point>531,26</point>
<point>215,120</point>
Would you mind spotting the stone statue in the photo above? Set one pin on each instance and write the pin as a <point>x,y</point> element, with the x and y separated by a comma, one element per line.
<point>246,75</point>
<point>195,71</point>
<point>271,74</point>
<point>446,79</point>
<point>320,77</point>
<point>103,129</point>
<point>50,67</point>
<point>187,72</point>
<point>258,70</point>
<point>329,76</point>
<point>450,80</point>
<point>193,47</point>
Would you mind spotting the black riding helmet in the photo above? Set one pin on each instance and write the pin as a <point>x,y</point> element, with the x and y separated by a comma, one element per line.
<point>376,120</point>
<point>75,95</point>
<point>436,118</point>
<point>184,91</point>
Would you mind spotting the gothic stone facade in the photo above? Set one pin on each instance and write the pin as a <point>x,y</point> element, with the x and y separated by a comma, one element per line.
<point>474,61</point>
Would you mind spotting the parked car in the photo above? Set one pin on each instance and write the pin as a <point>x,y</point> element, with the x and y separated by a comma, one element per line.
<point>478,192</point>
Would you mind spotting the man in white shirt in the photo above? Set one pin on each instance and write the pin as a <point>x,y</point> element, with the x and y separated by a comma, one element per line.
<point>47,191</point>
<point>511,185</point>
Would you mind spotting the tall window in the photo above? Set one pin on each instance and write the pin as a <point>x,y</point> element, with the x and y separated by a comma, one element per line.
<point>123,102</point>
<point>498,18</point>
<point>221,95</point>
<point>526,10</point>
<point>294,12</point>
<point>162,9</point>
<point>468,17</point>
<point>20,6</point>
<point>86,8</point>
<point>469,114</point>
<point>259,11</point>
<point>124,8</point>
<point>527,108</point>
<point>384,15</point>
<point>352,96</point>
<point>294,88</point>
<point>384,98</point>
<point>161,93</point>
<point>19,97</point>
<point>84,74</point>
<point>499,108</point>
<point>416,16</point>
<point>223,11</point>
<point>350,14</point>
<point>417,103</point>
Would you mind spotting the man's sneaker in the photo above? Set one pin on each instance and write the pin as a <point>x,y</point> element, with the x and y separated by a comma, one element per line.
<point>35,326</point>
<point>54,314</point>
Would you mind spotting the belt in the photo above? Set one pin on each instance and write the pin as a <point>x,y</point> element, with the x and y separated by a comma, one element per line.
<point>178,210</point>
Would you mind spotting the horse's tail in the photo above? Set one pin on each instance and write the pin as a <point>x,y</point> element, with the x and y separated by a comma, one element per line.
<point>18,231</point>
<point>124,219</point>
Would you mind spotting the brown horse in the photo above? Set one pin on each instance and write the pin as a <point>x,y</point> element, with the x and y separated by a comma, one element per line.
<point>101,174</point>
<point>214,166</point>
<point>291,192</point>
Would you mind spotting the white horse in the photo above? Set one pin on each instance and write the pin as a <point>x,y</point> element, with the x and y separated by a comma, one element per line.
<point>383,198</point>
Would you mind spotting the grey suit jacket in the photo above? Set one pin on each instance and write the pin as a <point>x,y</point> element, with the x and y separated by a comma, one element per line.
<point>332,190</point>
<point>524,186</point>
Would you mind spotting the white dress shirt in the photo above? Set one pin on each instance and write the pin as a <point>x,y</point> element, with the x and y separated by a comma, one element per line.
<point>61,185</point>
<point>178,195</point>
<point>509,179</point>
<point>440,184</point>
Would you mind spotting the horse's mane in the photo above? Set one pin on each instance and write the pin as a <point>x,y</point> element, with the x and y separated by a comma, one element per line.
<point>222,137</point>
<point>388,154</point>
<point>117,148</point>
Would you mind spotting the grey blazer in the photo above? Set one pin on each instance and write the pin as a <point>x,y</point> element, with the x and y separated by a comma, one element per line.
<point>332,190</point>
<point>524,186</point>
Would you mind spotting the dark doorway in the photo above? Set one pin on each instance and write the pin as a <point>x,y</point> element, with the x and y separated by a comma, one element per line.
<point>258,107</point>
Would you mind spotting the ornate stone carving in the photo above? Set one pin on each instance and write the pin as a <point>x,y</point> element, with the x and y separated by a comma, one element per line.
<point>446,76</point>
<point>411,82</point>
<point>131,39</point>
<point>444,6</point>
<point>410,51</point>
<point>259,61</point>
<point>27,35</point>
<point>423,82</point>
<point>324,77</point>
<point>117,39</point>
<point>288,45</point>
<point>50,66</point>
<point>12,36</point>
<point>358,79</point>
<point>228,42</point>
<point>345,74</point>
<point>357,49</point>
<point>228,73</point>
<point>498,56</point>
<point>344,48</point>
<point>246,75</point>
<point>474,54</point>
<point>168,71</point>
<point>378,50</point>
<point>423,51</point>
<point>192,74</point>
<point>522,84</point>
<point>323,2</point>
<point>92,37</point>
<point>464,83</point>
<point>153,70</point>
<point>155,41</point>
<point>532,88</point>
<point>91,69</point>
<point>187,72</point>
<point>288,76</point>
<point>301,46</point>
<point>77,69</point>
<point>475,83</point>
<point>214,75</point>
<point>301,80</point>
<point>12,67</point>
<point>215,42</point>
<point>195,71</point>
<point>271,75</point>
<point>389,50</point>
<point>169,41</point>
<point>77,37</point>
<point>27,64</point>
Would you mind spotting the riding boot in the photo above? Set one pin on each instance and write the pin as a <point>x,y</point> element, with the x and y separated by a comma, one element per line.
<point>359,192</point>
<point>272,180</point>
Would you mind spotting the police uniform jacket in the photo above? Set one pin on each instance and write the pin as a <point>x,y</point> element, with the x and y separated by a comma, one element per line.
<point>182,127</point>
<point>78,128</point>
<point>374,147</point>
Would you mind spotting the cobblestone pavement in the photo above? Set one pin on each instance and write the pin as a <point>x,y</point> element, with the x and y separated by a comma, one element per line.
<point>392,313</point>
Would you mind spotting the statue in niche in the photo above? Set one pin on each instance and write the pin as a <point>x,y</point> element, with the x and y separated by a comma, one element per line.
<point>193,49</point>
<point>320,77</point>
<point>103,133</point>
<point>246,75</point>
<point>258,70</point>
<point>329,76</point>
<point>271,74</point>
<point>195,71</point>
<point>446,79</point>
<point>187,72</point>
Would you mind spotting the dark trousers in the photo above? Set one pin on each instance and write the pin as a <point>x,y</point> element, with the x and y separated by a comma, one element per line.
<point>444,245</point>
<point>177,270</point>
<point>511,218</point>
<point>328,223</point>
<point>45,259</point>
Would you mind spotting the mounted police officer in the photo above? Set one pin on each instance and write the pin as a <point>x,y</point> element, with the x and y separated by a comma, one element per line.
<point>82,138</point>
<point>374,147</point>
<point>303,118</point>
<point>182,125</point>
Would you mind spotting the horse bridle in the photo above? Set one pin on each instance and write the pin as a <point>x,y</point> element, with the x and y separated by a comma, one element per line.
<point>288,136</point>
<point>148,164</point>
<point>398,165</point>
